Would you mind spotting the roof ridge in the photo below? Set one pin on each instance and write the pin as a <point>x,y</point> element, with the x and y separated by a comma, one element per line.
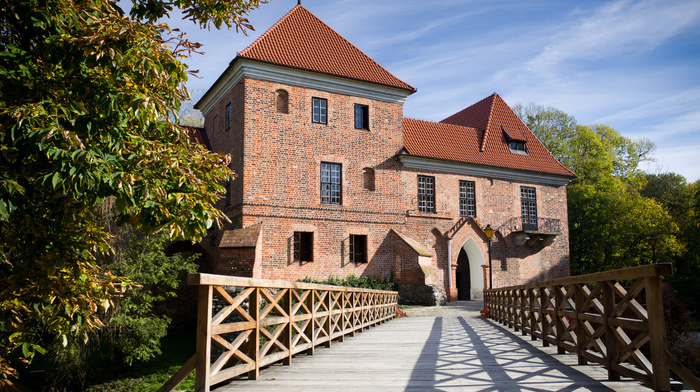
<point>482,148</point>
<point>441,123</point>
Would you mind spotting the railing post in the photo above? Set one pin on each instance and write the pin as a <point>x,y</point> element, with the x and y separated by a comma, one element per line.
<point>523,312</point>
<point>558,323</point>
<point>202,383</point>
<point>611,356</point>
<point>287,340</point>
<point>327,325</point>
<point>657,334</point>
<point>533,317</point>
<point>311,327</point>
<point>544,324</point>
<point>579,300</point>
<point>254,338</point>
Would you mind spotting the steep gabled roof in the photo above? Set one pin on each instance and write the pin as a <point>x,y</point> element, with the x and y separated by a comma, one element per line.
<point>479,135</point>
<point>301,40</point>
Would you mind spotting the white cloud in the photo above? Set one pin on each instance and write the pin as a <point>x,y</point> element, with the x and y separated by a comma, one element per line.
<point>616,29</point>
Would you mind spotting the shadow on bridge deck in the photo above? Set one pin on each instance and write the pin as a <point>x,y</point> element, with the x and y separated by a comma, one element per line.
<point>456,351</point>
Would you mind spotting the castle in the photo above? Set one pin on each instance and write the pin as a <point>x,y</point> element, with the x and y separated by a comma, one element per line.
<point>333,180</point>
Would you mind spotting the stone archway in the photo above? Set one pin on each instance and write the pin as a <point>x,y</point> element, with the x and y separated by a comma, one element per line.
<point>470,273</point>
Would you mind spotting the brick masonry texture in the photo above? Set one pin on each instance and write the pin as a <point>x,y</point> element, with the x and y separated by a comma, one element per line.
<point>277,158</point>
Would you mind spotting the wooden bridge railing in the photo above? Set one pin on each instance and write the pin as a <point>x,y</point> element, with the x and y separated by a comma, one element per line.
<point>595,317</point>
<point>256,322</point>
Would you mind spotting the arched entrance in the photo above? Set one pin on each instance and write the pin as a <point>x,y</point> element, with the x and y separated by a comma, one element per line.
<point>470,274</point>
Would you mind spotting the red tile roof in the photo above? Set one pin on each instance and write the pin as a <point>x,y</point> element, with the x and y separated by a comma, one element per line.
<point>241,238</point>
<point>301,40</point>
<point>479,135</point>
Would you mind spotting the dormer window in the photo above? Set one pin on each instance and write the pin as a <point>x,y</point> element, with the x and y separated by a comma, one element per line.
<point>516,143</point>
<point>517,147</point>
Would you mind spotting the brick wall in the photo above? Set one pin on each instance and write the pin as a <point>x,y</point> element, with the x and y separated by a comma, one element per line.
<point>277,157</point>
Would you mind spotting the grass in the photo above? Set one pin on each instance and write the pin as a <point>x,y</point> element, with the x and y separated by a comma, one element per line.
<point>149,376</point>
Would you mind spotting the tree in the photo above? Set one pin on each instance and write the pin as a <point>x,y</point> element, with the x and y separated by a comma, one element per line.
<point>85,97</point>
<point>609,219</point>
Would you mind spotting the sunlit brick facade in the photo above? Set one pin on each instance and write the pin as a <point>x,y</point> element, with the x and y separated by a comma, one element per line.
<point>328,175</point>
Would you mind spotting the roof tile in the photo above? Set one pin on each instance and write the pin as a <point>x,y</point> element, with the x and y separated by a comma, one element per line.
<point>241,238</point>
<point>477,135</point>
<point>301,40</point>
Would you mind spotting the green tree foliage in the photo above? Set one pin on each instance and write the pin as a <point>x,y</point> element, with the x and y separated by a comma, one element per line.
<point>609,218</point>
<point>85,97</point>
<point>680,199</point>
<point>133,326</point>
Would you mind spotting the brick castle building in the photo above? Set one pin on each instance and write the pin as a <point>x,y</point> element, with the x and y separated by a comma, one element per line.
<point>333,180</point>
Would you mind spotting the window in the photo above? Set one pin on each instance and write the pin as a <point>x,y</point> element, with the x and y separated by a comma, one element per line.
<point>368,178</point>
<point>517,147</point>
<point>303,246</point>
<point>426,194</point>
<point>361,116</point>
<point>282,101</point>
<point>319,110</point>
<point>331,187</point>
<point>228,116</point>
<point>528,207</point>
<point>358,248</point>
<point>467,199</point>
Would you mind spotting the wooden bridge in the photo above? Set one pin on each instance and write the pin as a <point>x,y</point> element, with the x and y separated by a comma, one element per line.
<point>263,326</point>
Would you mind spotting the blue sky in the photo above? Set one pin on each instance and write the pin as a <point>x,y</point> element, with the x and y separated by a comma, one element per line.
<point>633,65</point>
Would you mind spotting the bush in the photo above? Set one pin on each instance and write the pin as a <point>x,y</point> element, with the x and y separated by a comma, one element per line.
<point>365,282</point>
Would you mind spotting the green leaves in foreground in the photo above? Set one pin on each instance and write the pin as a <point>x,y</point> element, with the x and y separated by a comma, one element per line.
<point>85,97</point>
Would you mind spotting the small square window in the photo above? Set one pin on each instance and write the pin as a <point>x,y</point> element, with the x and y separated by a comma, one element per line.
<point>358,248</point>
<point>303,246</point>
<point>361,116</point>
<point>319,110</point>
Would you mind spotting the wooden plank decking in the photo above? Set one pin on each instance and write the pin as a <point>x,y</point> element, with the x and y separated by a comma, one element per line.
<point>457,351</point>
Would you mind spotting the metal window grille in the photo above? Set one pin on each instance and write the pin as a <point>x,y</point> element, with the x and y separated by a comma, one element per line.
<point>303,246</point>
<point>467,199</point>
<point>528,207</point>
<point>331,186</point>
<point>426,194</point>
<point>319,112</point>
<point>358,248</point>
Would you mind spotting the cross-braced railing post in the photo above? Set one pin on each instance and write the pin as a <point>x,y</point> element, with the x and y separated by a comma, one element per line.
<point>204,313</point>
<point>254,339</point>
<point>657,334</point>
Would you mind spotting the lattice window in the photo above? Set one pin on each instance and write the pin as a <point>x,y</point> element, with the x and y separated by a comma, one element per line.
<point>467,199</point>
<point>319,110</point>
<point>331,183</point>
<point>528,207</point>
<point>426,194</point>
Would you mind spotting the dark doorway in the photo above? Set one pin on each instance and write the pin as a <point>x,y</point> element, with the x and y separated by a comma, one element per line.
<point>463,279</point>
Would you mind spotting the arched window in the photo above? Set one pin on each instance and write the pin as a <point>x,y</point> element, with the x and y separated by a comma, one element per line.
<point>282,101</point>
<point>368,176</point>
